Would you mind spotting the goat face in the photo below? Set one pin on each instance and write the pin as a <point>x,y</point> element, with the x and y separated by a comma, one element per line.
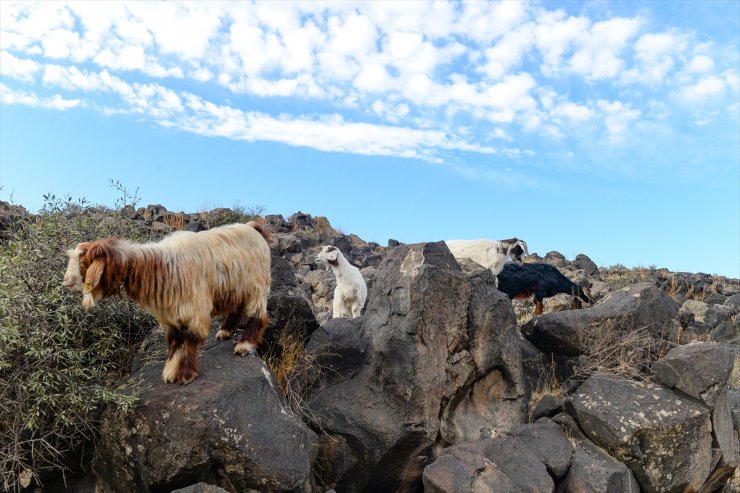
<point>74,275</point>
<point>518,251</point>
<point>330,255</point>
<point>91,269</point>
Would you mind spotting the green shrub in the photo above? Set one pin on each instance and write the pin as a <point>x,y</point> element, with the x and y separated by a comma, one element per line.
<point>58,362</point>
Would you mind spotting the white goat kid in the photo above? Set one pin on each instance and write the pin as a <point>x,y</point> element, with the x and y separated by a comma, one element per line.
<point>351,291</point>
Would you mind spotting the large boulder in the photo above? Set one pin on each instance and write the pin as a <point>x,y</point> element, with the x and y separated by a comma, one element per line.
<point>636,307</point>
<point>422,347</point>
<point>229,428</point>
<point>665,439</point>
<point>502,464</point>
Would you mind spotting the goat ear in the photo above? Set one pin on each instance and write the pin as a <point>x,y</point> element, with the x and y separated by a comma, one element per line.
<point>587,292</point>
<point>92,280</point>
<point>83,247</point>
<point>332,255</point>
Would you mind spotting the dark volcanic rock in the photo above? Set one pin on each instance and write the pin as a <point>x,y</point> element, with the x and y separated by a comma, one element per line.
<point>388,407</point>
<point>547,407</point>
<point>424,343</point>
<point>555,258</point>
<point>201,488</point>
<point>230,428</point>
<point>492,358</point>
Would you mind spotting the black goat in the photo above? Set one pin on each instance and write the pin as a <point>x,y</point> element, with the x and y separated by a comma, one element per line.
<point>520,281</point>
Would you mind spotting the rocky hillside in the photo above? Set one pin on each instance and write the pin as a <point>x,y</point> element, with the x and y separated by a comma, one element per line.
<point>443,385</point>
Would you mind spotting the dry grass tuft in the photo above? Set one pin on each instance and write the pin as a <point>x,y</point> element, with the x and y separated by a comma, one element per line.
<point>548,385</point>
<point>295,371</point>
<point>627,354</point>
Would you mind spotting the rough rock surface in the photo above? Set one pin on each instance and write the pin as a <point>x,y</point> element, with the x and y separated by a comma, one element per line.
<point>664,438</point>
<point>228,428</point>
<point>290,314</point>
<point>592,469</point>
<point>502,464</point>
<point>548,442</point>
<point>699,369</point>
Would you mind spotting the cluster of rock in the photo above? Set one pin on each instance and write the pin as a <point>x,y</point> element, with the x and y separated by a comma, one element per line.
<point>431,389</point>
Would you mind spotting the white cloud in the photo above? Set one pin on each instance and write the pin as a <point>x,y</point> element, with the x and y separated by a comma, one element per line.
<point>508,52</point>
<point>618,118</point>
<point>598,56</point>
<point>354,36</point>
<point>373,78</point>
<point>201,74</point>
<point>555,36</point>
<point>485,22</point>
<point>700,63</point>
<point>706,88</point>
<point>167,22</point>
<point>573,112</point>
<point>17,68</point>
<point>655,54</point>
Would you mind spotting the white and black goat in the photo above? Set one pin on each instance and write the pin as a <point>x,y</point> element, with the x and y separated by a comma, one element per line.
<point>520,281</point>
<point>183,281</point>
<point>351,291</point>
<point>491,254</point>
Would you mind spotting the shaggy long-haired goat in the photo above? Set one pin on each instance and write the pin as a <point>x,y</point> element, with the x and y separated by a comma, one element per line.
<point>520,281</point>
<point>491,254</point>
<point>183,281</point>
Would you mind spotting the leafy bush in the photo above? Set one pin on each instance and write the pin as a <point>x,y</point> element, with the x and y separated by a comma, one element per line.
<point>57,361</point>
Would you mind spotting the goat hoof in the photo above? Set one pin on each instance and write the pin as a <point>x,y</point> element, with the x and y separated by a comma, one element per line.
<point>184,380</point>
<point>223,335</point>
<point>243,348</point>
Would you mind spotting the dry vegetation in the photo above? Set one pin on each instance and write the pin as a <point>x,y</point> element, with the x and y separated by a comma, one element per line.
<point>295,371</point>
<point>548,385</point>
<point>627,354</point>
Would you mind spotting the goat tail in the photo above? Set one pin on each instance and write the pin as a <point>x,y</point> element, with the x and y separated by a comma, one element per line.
<point>264,229</point>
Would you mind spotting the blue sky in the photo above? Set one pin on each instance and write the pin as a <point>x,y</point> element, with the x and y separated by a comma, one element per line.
<point>605,128</point>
